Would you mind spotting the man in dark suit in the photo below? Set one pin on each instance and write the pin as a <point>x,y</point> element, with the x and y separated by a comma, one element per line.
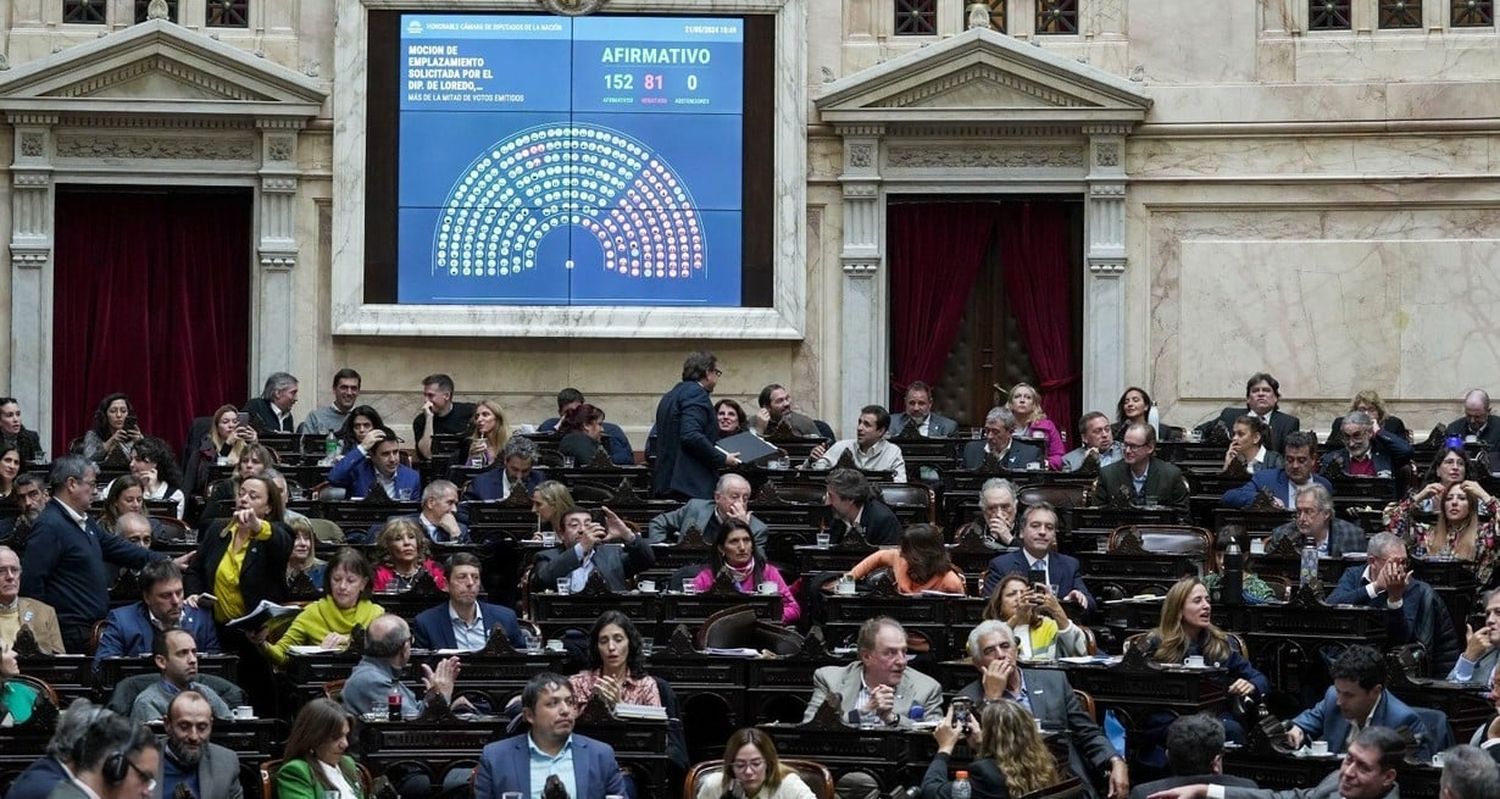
<point>1262,393</point>
<point>1357,699</point>
<point>271,412</point>
<point>1195,753</point>
<point>620,452</point>
<point>999,444</point>
<point>376,462</point>
<point>1368,772</point>
<point>116,758</point>
<point>1049,697</point>
<point>856,505</point>
<point>44,773</point>
<point>439,515</point>
<point>581,550</point>
<point>516,467</point>
<point>1477,424</point>
<point>507,766</point>
<point>731,501</point>
<point>464,622</point>
<point>1368,452</point>
<point>776,414</point>
<point>919,412</point>
<point>1415,614</point>
<point>686,458</point>
<point>1296,472</point>
<point>1038,541</point>
<point>130,631</point>
<point>1141,478</point>
<point>1334,538</point>
<point>1477,664</point>
<point>65,554</point>
<point>190,758</point>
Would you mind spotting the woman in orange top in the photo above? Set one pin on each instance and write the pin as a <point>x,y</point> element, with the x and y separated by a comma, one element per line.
<point>920,564</point>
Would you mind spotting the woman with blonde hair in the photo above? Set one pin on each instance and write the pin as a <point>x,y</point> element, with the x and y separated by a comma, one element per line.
<point>1010,758</point>
<point>1465,528</point>
<point>487,433</point>
<point>1370,402</point>
<point>404,554</point>
<point>1032,422</point>
<point>1186,630</point>
<point>548,501</point>
<point>752,771</point>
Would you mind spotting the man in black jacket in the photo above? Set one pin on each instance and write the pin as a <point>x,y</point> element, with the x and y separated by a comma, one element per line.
<point>686,458</point>
<point>1195,753</point>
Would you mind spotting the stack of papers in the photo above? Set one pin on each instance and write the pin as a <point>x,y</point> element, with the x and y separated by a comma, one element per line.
<point>647,712</point>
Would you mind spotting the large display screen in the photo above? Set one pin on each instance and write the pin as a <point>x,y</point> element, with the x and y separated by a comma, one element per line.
<point>548,160</point>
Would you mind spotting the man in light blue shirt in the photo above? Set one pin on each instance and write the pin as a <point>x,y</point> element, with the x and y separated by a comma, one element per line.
<point>1477,665</point>
<point>524,763</point>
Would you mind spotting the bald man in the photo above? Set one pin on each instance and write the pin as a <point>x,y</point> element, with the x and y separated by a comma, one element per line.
<point>731,501</point>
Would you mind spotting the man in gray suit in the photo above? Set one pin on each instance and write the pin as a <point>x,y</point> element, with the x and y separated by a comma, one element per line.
<point>582,549</point>
<point>1476,666</point>
<point>1098,439</point>
<point>189,758</point>
<point>731,501</point>
<point>878,688</point>
<point>1368,772</point>
<point>115,758</point>
<point>919,412</point>
<point>1333,537</point>
<point>1049,697</point>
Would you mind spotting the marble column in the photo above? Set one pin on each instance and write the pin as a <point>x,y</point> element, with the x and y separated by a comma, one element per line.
<point>31,270</point>
<point>864,350</point>
<point>276,249</point>
<point>1104,285</point>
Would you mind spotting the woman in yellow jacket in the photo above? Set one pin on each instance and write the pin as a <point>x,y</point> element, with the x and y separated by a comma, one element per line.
<point>328,621</point>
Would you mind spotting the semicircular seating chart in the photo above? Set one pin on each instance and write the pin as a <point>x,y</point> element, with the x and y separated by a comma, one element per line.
<point>550,176</point>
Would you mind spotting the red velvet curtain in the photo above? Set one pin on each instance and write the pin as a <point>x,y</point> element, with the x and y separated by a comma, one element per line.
<point>1034,259</point>
<point>935,253</point>
<point>150,297</point>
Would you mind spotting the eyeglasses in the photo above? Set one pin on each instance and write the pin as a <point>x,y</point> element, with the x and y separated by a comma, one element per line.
<point>717,371</point>
<point>748,765</point>
<point>147,779</point>
<point>1129,445</point>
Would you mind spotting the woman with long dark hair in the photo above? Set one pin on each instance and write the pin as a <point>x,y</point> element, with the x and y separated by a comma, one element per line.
<point>113,436</point>
<point>617,665</point>
<point>582,429</point>
<point>920,564</point>
<point>735,553</point>
<point>752,770</point>
<point>314,764</point>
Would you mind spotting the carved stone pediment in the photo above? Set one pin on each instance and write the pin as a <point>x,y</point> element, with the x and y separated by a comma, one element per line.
<point>159,67</point>
<point>983,76</point>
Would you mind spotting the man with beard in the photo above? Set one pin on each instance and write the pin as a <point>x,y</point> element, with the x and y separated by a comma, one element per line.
<point>31,494</point>
<point>176,656</point>
<point>550,753</point>
<point>190,759</point>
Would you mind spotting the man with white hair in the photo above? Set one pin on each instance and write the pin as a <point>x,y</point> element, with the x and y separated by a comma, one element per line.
<point>1050,699</point>
<point>731,501</point>
<point>16,610</point>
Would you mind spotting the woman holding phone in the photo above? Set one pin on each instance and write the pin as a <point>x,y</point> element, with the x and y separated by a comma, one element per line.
<point>1042,630</point>
<point>114,433</point>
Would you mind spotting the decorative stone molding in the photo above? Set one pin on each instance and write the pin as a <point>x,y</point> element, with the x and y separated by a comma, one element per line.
<point>77,145</point>
<point>33,145</point>
<point>861,268</point>
<point>999,155</point>
<point>571,8</point>
<point>1107,267</point>
<point>24,180</point>
<point>279,148</point>
<point>1107,154</point>
<point>196,78</point>
<point>983,73</point>
<point>860,155</point>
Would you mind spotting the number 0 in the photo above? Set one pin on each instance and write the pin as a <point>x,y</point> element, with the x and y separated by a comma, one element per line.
<point>692,83</point>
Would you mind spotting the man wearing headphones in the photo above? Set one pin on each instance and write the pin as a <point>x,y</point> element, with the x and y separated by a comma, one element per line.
<point>114,759</point>
<point>46,772</point>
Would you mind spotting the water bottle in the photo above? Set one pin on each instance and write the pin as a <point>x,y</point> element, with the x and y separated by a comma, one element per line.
<point>330,448</point>
<point>1234,574</point>
<point>1309,571</point>
<point>960,787</point>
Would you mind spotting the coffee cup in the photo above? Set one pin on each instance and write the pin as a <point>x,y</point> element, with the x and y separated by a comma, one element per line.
<point>244,712</point>
<point>845,587</point>
<point>646,586</point>
<point>1194,662</point>
<point>1318,747</point>
<point>767,587</point>
<point>554,645</point>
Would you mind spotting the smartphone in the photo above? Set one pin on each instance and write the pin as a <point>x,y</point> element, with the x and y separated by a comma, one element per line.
<point>132,423</point>
<point>242,419</point>
<point>1038,579</point>
<point>963,713</point>
<point>597,514</point>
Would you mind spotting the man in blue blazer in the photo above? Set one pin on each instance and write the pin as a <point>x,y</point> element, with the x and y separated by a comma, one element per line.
<point>686,459</point>
<point>376,461</point>
<point>63,564</point>
<point>515,468</point>
<point>585,767</point>
<point>463,622</point>
<point>1357,696</point>
<point>919,412</point>
<point>1415,613</point>
<point>129,631</point>
<point>1298,460</point>
<point>1038,536</point>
